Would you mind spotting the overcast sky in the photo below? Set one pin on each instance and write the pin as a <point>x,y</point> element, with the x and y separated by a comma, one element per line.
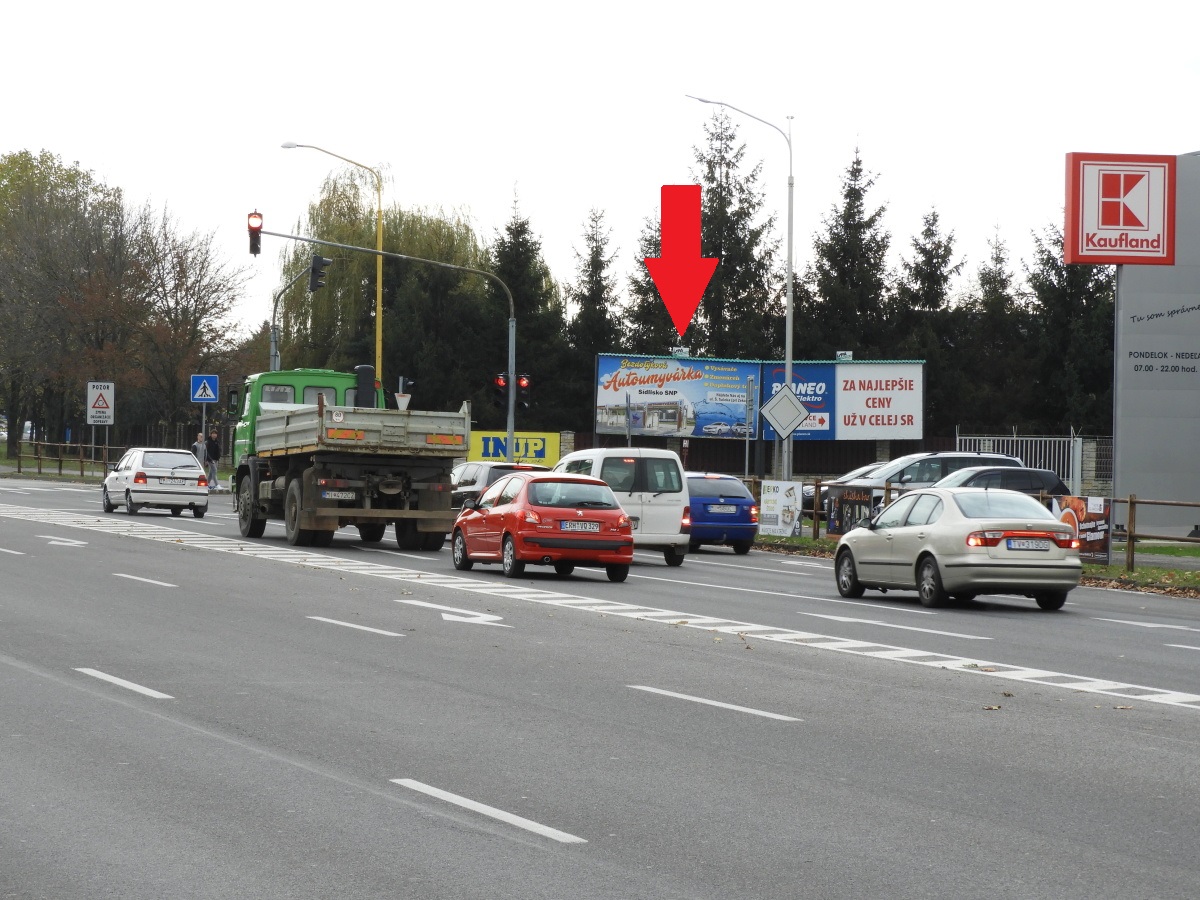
<point>968,108</point>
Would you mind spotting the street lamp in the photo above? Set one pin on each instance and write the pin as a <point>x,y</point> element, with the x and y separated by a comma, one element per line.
<point>290,145</point>
<point>787,338</point>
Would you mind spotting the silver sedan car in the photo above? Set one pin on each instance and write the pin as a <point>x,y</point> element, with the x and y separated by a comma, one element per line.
<point>157,478</point>
<point>959,542</point>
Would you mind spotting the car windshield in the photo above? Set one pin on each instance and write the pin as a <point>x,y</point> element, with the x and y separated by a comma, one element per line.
<point>718,487</point>
<point>571,494</point>
<point>954,479</point>
<point>1001,505</point>
<point>163,459</point>
<point>860,472</point>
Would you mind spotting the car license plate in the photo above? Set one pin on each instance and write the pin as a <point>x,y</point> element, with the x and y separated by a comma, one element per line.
<point>572,525</point>
<point>1028,544</point>
<point>722,508</point>
<point>337,495</point>
<point>171,481</point>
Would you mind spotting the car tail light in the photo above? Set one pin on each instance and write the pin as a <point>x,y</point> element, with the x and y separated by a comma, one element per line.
<point>984,538</point>
<point>623,522</point>
<point>202,482</point>
<point>1067,541</point>
<point>685,524</point>
<point>754,514</point>
<point>532,517</point>
<point>139,478</point>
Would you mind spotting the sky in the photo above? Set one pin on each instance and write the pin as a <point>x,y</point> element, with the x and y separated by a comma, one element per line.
<point>557,109</point>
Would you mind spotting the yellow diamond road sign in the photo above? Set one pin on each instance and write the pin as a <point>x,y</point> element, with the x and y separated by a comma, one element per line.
<point>785,412</point>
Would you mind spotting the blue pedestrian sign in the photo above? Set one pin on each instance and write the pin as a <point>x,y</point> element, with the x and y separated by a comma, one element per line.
<point>204,389</point>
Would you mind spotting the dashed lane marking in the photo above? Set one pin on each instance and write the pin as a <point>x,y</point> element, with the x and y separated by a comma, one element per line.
<point>126,526</point>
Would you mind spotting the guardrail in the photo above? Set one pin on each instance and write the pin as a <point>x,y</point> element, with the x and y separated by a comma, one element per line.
<point>92,459</point>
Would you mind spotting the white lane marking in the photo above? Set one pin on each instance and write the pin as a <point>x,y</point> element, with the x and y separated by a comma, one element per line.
<point>13,552</point>
<point>903,609</point>
<point>124,526</point>
<point>121,682</point>
<point>476,806</point>
<point>1147,624</point>
<point>744,709</point>
<point>811,565</point>
<point>969,637</point>
<point>13,491</point>
<point>147,580</point>
<point>1182,646</point>
<point>62,542</point>
<point>352,625</point>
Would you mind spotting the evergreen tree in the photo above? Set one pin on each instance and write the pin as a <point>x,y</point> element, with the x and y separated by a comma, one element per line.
<point>595,327</point>
<point>849,279</point>
<point>1073,305</point>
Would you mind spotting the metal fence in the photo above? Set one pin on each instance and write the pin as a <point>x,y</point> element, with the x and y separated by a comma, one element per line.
<point>1085,463</point>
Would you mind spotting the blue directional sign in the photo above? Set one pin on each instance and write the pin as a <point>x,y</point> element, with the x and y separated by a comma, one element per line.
<point>204,389</point>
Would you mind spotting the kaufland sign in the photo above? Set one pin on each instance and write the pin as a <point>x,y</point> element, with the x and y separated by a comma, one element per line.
<point>1120,209</point>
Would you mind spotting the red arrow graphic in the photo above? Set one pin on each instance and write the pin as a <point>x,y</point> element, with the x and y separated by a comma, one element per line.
<point>680,273</point>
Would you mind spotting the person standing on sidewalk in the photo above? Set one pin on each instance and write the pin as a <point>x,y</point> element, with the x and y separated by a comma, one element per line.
<point>200,451</point>
<point>212,450</point>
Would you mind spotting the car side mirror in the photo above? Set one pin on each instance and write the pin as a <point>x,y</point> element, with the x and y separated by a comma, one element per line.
<point>865,522</point>
<point>470,503</point>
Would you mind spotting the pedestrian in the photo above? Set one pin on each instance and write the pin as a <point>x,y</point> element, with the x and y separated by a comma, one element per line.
<point>212,449</point>
<point>200,450</point>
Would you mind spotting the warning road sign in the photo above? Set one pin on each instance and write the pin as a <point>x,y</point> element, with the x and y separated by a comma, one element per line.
<point>204,388</point>
<point>100,403</point>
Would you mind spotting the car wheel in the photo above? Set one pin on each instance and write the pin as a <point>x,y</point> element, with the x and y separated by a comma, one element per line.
<point>199,511</point>
<point>407,536</point>
<point>674,556</point>
<point>458,551</point>
<point>929,583</point>
<point>741,548</point>
<point>563,569</point>
<point>248,525</point>
<point>848,584</point>
<point>513,567</point>
<point>130,507</point>
<point>322,538</point>
<point>1051,600</point>
<point>105,501</point>
<point>617,572</point>
<point>432,540</point>
<point>292,502</point>
<point>176,511</point>
<point>372,532</point>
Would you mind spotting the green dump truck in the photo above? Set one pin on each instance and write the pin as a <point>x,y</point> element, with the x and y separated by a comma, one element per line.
<point>318,450</point>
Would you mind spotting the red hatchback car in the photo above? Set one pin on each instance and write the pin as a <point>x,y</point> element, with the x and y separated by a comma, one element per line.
<point>545,518</point>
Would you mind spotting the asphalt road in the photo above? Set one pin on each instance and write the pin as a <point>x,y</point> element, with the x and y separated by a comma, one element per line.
<point>184,713</point>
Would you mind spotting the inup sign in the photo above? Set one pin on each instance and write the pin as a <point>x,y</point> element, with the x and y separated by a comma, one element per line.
<point>1120,209</point>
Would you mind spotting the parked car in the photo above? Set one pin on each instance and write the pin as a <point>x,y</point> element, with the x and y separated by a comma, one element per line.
<point>650,486</point>
<point>717,428</point>
<point>543,518</point>
<point>960,542</point>
<point>723,512</point>
<point>918,470</point>
<point>470,479</point>
<point>1034,482</point>
<point>156,478</point>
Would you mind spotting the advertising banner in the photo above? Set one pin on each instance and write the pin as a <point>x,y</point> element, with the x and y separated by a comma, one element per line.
<point>854,401</point>
<point>672,397</point>
<point>1091,519</point>
<point>780,513</point>
<point>814,385</point>
<point>847,505</point>
<point>531,447</point>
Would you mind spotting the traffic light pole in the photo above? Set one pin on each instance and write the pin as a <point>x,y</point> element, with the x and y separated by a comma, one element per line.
<point>510,447</point>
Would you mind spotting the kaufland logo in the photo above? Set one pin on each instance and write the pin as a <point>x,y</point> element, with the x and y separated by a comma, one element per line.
<point>1120,209</point>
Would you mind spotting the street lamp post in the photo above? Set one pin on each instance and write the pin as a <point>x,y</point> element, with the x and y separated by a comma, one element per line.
<point>787,338</point>
<point>290,145</point>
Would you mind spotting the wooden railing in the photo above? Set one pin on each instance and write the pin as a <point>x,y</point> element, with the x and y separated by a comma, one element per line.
<point>1132,535</point>
<point>44,457</point>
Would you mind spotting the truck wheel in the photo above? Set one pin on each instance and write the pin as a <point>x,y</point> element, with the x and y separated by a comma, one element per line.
<point>248,525</point>
<point>372,532</point>
<point>296,536</point>
<point>407,536</point>
<point>432,540</point>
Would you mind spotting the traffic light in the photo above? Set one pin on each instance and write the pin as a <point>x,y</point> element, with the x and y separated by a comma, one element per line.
<point>524,383</point>
<point>316,275</point>
<point>500,390</point>
<point>254,226</point>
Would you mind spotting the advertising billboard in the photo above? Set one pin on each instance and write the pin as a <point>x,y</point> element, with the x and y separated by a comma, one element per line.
<point>1120,209</point>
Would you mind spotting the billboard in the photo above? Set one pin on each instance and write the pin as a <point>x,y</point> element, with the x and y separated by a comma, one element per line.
<point>528,446</point>
<point>853,401</point>
<point>1120,209</point>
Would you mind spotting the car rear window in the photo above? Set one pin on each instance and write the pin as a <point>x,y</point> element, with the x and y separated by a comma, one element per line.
<point>571,494</point>
<point>999,505</point>
<point>165,460</point>
<point>718,487</point>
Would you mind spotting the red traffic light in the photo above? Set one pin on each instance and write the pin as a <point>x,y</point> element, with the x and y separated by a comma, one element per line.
<point>523,382</point>
<point>254,223</point>
<point>501,381</point>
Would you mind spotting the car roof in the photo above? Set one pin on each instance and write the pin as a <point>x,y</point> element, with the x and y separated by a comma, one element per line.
<point>562,476</point>
<point>710,475</point>
<point>979,470</point>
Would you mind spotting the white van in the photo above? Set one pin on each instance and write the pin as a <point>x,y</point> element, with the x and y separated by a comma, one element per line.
<point>650,487</point>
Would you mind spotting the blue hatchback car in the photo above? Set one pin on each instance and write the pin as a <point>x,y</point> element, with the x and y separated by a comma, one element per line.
<point>723,512</point>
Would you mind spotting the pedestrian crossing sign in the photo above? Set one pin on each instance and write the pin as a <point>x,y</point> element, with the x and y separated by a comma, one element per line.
<point>204,388</point>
